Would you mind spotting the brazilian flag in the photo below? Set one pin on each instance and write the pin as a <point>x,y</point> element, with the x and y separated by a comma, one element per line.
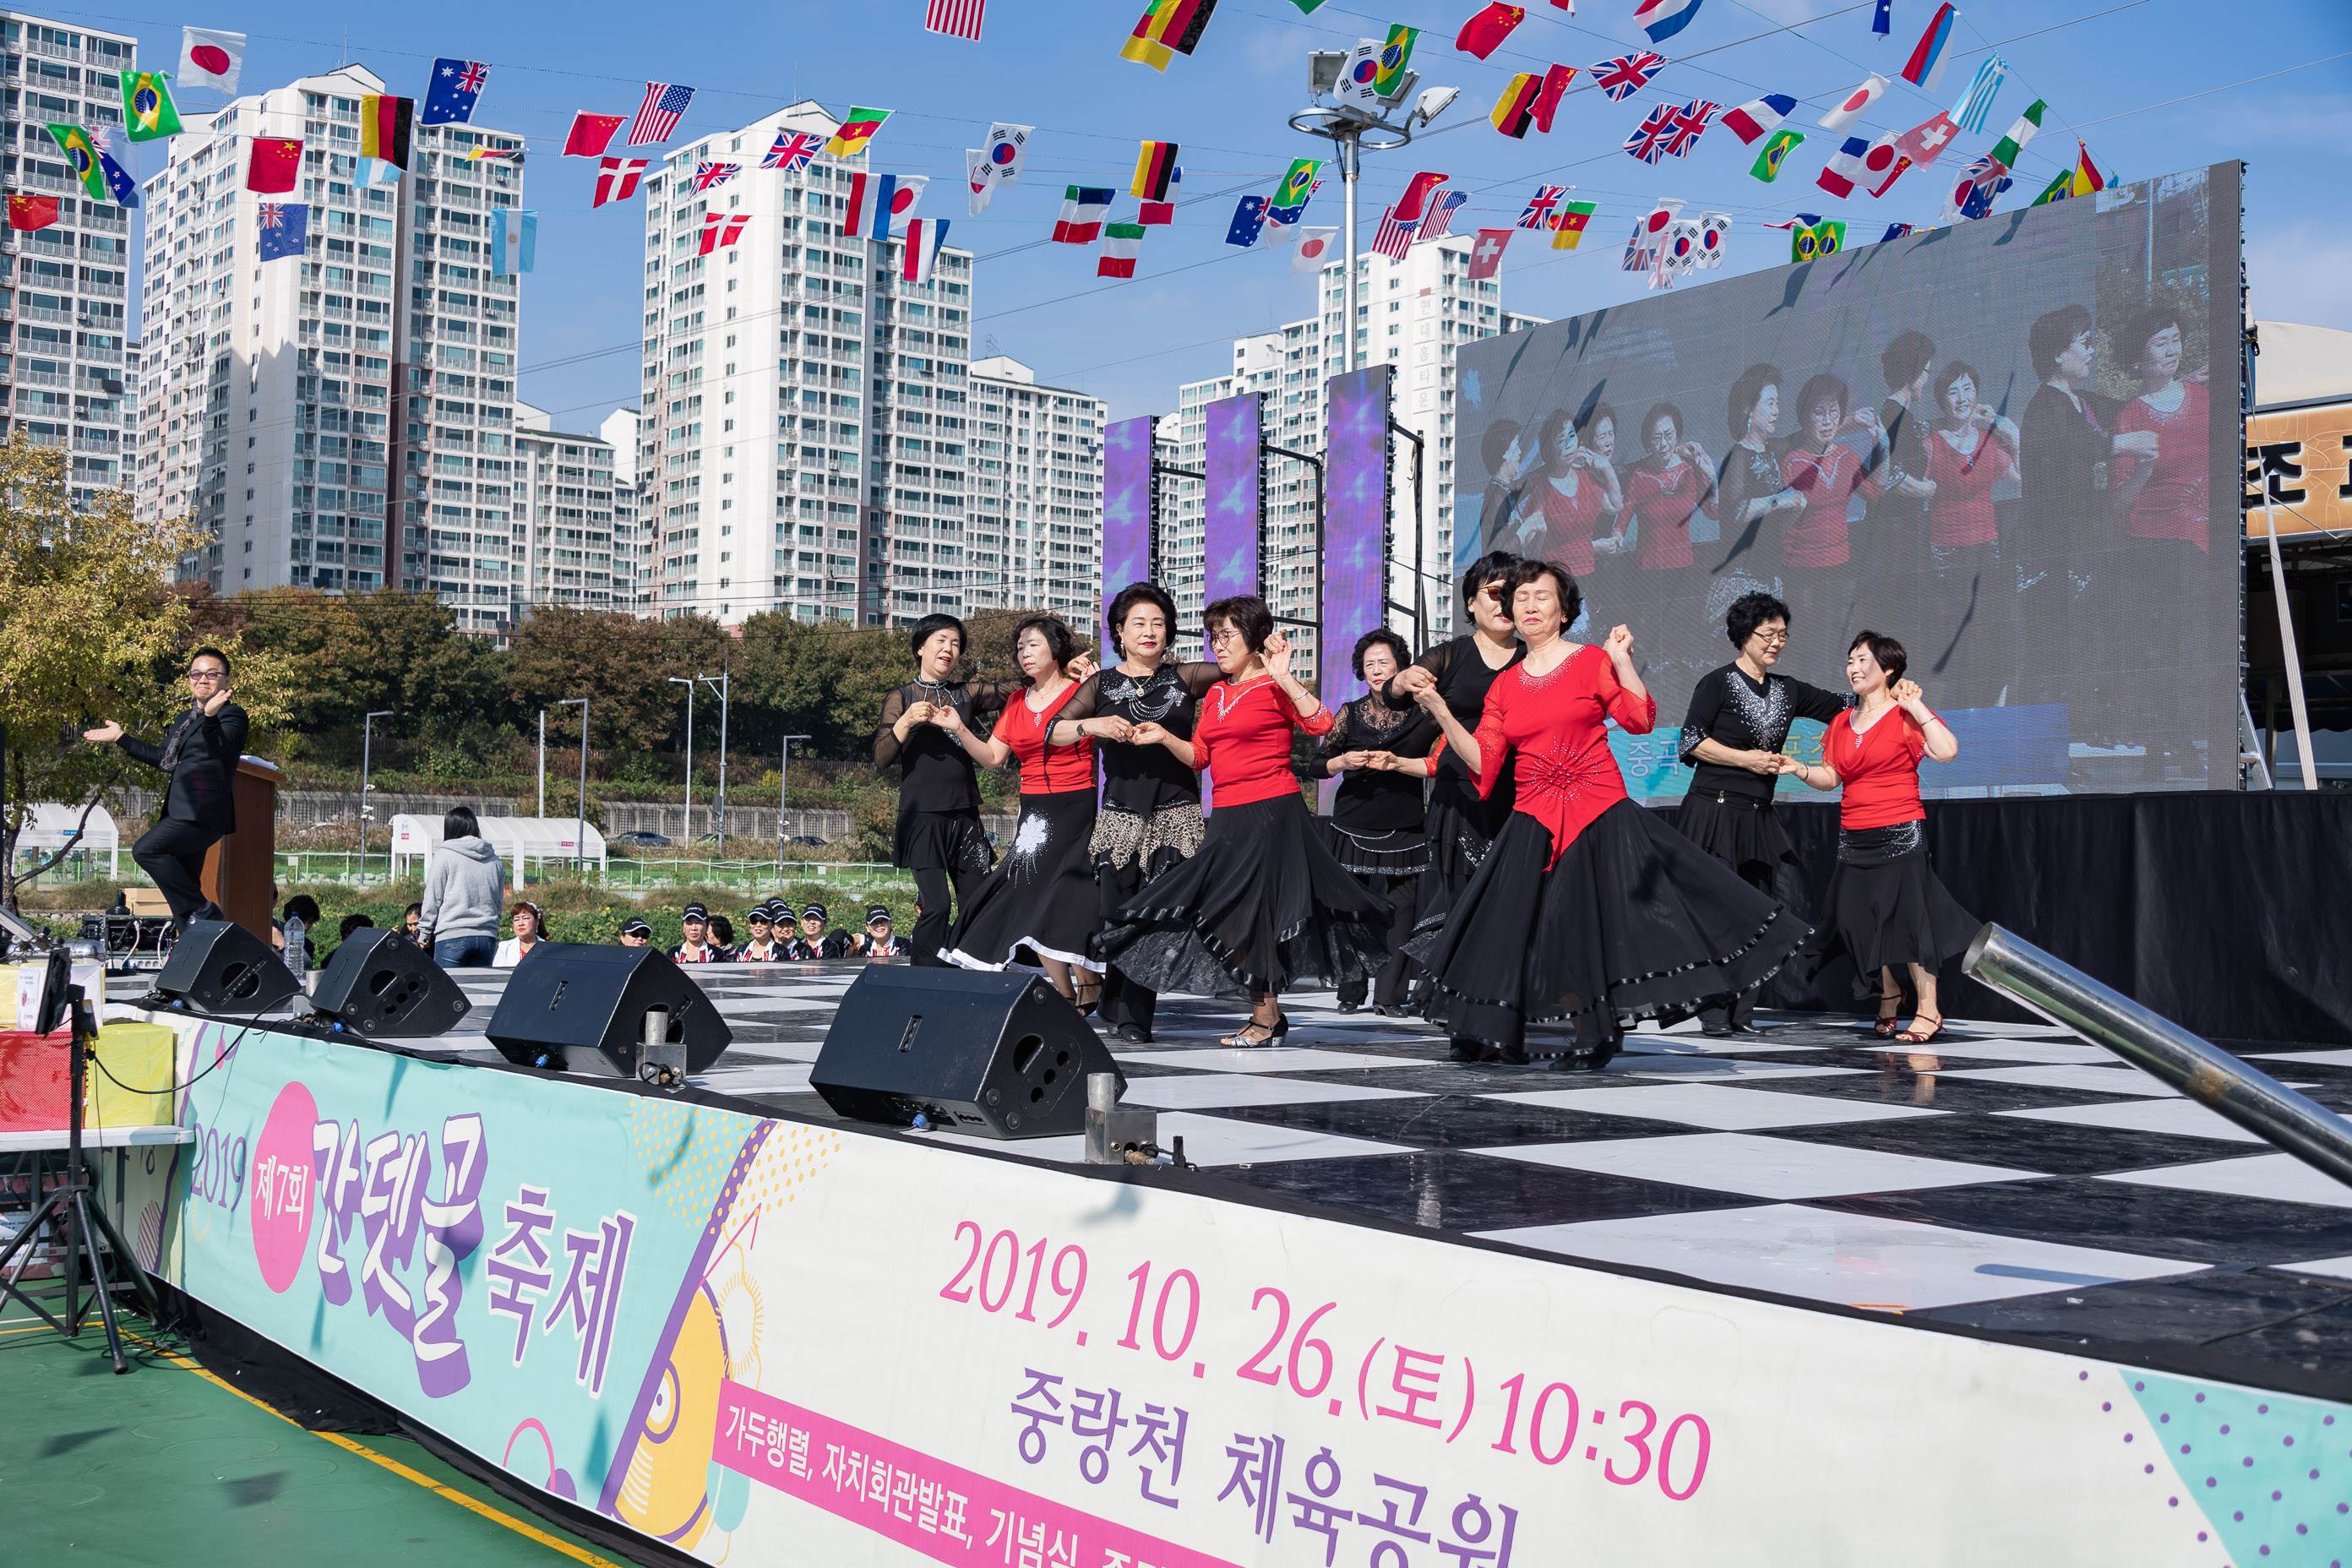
<point>80,148</point>
<point>148,114</point>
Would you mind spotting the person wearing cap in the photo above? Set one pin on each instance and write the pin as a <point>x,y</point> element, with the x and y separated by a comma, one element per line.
<point>694,922</point>
<point>528,936</point>
<point>815,942</point>
<point>762,947</point>
<point>635,933</point>
<point>879,941</point>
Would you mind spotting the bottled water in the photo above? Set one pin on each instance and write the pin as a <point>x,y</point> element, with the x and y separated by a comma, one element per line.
<point>298,958</point>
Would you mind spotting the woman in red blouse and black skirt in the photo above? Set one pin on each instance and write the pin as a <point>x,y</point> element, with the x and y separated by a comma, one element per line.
<point>1262,905</point>
<point>1885,906</point>
<point>1587,907</point>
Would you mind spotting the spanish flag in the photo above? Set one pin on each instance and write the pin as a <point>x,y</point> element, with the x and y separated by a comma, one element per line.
<point>1155,171</point>
<point>1167,28</point>
<point>384,125</point>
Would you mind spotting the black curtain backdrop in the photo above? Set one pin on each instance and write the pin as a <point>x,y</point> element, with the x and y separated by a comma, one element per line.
<point>2227,913</point>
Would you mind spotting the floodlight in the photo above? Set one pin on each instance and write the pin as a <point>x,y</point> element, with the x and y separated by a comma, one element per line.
<point>1324,69</point>
<point>1435,102</point>
<point>1406,84</point>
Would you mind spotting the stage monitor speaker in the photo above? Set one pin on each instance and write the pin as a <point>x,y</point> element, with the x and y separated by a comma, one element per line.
<point>381,985</point>
<point>576,1007</point>
<point>998,1056</point>
<point>221,968</point>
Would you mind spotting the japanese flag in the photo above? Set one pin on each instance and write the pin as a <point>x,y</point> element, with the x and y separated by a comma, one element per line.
<point>1314,249</point>
<point>209,59</point>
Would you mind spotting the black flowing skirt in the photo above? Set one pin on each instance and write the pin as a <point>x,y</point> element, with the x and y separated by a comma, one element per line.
<point>1460,827</point>
<point>1042,894</point>
<point>950,841</point>
<point>1635,920</point>
<point>1262,907</point>
<point>1378,852</point>
<point>1748,836</point>
<point>1887,907</point>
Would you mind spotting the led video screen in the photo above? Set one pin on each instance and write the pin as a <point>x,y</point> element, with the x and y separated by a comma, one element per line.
<point>2000,442</point>
<point>1127,506</point>
<point>1355,521</point>
<point>1235,497</point>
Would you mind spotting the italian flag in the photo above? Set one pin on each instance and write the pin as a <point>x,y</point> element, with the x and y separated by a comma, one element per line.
<point>1121,242</point>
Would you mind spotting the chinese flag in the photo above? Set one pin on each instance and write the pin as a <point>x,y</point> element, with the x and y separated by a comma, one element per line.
<point>1484,32</point>
<point>32,212</point>
<point>276,161</point>
<point>591,135</point>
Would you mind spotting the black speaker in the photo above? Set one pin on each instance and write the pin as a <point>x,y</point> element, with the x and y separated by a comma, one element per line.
<point>577,1007</point>
<point>221,968</point>
<point>381,984</point>
<point>998,1056</point>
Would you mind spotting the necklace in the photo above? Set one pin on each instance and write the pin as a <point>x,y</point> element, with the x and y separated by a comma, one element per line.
<point>1229,693</point>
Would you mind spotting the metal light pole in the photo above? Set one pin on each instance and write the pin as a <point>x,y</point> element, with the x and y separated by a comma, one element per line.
<point>784,791</point>
<point>580,833</point>
<point>682,680</point>
<point>1346,125</point>
<point>367,760</point>
<point>542,764</point>
<point>721,686</point>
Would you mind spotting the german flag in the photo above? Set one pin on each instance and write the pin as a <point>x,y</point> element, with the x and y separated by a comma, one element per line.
<point>1155,171</point>
<point>1516,110</point>
<point>384,125</point>
<point>1170,27</point>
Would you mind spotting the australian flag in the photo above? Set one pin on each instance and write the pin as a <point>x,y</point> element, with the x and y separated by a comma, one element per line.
<point>1249,221</point>
<point>457,87</point>
<point>285,226</point>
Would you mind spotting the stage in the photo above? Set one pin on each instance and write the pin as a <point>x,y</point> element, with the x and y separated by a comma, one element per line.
<point>1852,1291</point>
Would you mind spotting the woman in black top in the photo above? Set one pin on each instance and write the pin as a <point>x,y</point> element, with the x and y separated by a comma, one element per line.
<point>1150,818</point>
<point>939,835</point>
<point>1459,824</point>
<point>1375,829</point>
<point>1754,501</point>
<point>1738,719</point>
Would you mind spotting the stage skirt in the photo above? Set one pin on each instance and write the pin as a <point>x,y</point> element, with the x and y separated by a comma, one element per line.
<point>1262,907</point>
<point>1635,921</point>
<point>1747,837</point>
<point>950,841</point>
<point>1459,828</point>
<point>1886,906</point>
<point>1042,894</point>
<point>1389,852</point>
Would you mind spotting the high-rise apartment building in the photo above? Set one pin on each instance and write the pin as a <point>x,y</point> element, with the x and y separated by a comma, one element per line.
<point>1411,315</point>
<point>567,546</point>
<point>1033,533</point>
<point>632,543</point>
<point>806,412</point>
<point>343,419</point>
<point>65,290</point>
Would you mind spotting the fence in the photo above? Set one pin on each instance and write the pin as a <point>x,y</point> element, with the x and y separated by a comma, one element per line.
<point>350,868</point>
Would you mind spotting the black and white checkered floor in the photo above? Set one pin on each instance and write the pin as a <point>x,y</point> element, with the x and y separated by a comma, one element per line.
<point>2010,1177</point>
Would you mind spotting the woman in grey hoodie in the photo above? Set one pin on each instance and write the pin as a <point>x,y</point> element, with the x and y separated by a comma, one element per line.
<point>465,886</point>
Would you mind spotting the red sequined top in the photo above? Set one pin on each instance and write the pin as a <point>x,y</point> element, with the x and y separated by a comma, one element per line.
<point>1961,512</point>
<point>1243,739</point>
<point>1551,726</point>
<point>1046,770</point>
<point>2173,504</point>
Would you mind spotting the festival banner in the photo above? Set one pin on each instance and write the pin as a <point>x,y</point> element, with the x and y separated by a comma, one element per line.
<point>769,1342</point>
<point>1355,526</point>
<point>1128,509</point>
<point>1236,505</point>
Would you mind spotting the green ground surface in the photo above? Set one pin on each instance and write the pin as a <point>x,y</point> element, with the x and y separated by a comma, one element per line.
<point>163,1467</point>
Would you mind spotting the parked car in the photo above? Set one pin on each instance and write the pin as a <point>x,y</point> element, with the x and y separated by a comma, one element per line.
<point>807,841</point>
<point>642,840</point>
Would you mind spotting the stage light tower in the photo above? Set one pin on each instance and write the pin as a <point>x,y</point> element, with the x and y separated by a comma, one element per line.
<point>1350,127</point>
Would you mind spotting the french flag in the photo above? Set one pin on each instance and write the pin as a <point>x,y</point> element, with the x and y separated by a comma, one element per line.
<point>1662,19</point>
<point>1845,166</point>
<point>1761,118</point>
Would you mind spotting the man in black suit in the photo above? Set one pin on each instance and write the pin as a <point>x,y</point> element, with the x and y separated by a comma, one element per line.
<point>199,753</point>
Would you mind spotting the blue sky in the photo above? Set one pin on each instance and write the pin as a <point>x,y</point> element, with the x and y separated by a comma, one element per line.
<point>1056,64</point>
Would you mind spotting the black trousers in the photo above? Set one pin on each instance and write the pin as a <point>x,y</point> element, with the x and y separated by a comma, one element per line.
<point>1403,894</point>
<point>173,853</point>
<point>931,928</point>
<point>1123,1001</point>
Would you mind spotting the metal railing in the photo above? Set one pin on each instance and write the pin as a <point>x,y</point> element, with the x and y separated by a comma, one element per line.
<point>2157,1045</point>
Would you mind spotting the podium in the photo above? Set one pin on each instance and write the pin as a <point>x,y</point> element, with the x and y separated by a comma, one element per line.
<point>241,871</point>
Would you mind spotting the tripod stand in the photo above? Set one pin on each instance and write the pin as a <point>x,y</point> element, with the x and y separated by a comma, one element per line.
<point>83,1222</point>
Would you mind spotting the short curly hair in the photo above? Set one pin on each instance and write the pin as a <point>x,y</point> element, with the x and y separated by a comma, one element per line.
<point>1379,637</point>
<point>1135,593</point>
<point>1246,613</point>
<point>1749,611</point>
<point>1571,597</point>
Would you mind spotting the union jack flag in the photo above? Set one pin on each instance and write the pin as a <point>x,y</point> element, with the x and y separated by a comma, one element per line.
<point>1627,74</point>
<point>792,151</point>
<point>1438,215</point>
<point>1656,133</point>
<point>273,215</point>
<point>1538,209</point>
<point>1689,120</point>
<point>657,115</point>
<point>708,175</point>
<point>471,79</point>
<point>1394,237</point>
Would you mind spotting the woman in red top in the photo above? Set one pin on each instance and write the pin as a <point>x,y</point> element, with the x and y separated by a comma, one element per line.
<point>2169,498</point>
<point>1562,509</point>
<point>1587,907</point>
<point>1972,448</point>
<point>1262,904</point>
<point>1040,900</point>
<point>1817,553</point>
<point>1885,906</point>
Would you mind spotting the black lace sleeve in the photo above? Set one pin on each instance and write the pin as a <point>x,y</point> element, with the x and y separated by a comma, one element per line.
<point>1084,703</point>
<point>1198,675</point>
<point>1698,724</point>
<point>885,740</point>
<point>1333,741</point>
<point>1810,702</point>
<point>1438,661</point>
<point>989,696</point>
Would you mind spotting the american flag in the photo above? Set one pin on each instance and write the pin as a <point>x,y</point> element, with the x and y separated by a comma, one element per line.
<point>706,174</point>
<point>1538,209</point>
<point>792,153</point>
<point>657,116</point>
<point>1627,74</point>
<point>1658,131</point>
<point>956,18</point>
<point>273,215</point>
<point>1438,215</point>
<point>1394,237</point>
<point>1688,121</point>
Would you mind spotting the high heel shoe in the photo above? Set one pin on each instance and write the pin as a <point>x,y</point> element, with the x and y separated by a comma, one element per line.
<point>1913,1035</point>
<point>1888,1021</point>
<point>1274,1033</point>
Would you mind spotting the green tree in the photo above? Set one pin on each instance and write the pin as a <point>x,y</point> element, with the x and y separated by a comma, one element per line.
<point>621,664</point>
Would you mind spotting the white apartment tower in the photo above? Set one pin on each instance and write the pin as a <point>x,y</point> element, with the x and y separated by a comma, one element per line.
<point>343,420</point>
<point>568,547</point>
<point>632,543</point>
<point>806,413</point>
<point>1034,536</point>
<point>63,378</point>
<point>1411,315</point>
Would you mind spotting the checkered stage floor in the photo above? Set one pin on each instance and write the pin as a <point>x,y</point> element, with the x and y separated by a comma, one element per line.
<point>2012,1177</point>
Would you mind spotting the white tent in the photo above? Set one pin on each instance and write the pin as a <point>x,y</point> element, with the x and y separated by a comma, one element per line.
<point>516,839</point>
<point>52,825</point>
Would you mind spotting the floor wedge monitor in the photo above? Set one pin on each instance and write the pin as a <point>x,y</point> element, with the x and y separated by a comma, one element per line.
<point>577,1008</point>
<point>382,986</point>
<point>222,969</point>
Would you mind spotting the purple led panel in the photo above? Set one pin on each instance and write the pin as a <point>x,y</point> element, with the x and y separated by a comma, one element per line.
<point>1127,508</point>
<point>1355,522</point>
<point>1236,497</point>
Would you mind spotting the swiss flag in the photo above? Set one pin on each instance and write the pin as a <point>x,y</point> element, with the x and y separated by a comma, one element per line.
<point>1486,254</point>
